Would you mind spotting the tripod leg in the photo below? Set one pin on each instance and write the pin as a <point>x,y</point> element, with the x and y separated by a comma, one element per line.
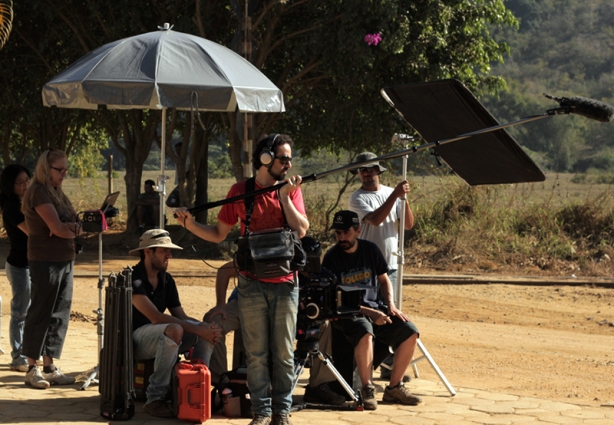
<point>340,379</point>
<point>93,373</point>
<point>450,388</point>
<point>91,376</point>
<point>298,371</point>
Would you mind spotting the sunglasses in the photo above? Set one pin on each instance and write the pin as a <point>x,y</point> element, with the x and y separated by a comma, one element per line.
<point>284,160</point>
<point>60,170</point>
<point>367,169</point>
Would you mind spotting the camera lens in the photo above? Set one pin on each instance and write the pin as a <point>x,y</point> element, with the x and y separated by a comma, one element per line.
<point>312,311</point>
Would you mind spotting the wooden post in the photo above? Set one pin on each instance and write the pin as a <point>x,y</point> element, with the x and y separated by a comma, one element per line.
<point>247,118</point>
<point>110,173</point>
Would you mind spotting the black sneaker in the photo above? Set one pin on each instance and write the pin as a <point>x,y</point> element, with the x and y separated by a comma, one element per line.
<point>281,419</point>
<point>260,420</point>
<point>368,397</point>
<point>323,394</point>
<point>159,409</point>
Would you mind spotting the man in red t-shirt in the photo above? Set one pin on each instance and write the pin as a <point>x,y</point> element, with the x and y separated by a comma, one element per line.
<point>268,306</point>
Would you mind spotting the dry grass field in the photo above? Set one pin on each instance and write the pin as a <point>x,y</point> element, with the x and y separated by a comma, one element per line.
<point>556,190</point>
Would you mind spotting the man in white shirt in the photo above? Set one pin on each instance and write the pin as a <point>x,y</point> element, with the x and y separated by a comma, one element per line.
<point>379,211</point>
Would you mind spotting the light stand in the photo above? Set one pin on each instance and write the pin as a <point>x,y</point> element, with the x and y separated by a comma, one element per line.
<point>95,221</point>
<point>91,375</point>
<point>398,290</point>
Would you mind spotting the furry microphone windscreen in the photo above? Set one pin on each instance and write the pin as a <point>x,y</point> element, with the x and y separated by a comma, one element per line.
<point>589,108</point>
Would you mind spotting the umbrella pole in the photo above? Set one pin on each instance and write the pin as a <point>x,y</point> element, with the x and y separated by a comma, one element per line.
<point>162,177</point>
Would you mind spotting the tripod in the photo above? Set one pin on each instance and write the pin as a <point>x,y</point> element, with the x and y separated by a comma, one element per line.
<point>91,375</point>
<point>310,350</point>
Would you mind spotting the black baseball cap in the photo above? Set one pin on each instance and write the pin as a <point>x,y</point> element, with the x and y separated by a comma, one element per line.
<point>345,219</point>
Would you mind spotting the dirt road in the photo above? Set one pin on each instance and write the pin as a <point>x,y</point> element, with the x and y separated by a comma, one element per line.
<point>554,342</point>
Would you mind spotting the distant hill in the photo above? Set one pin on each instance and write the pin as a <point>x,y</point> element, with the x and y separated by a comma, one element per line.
<point>563,48</point>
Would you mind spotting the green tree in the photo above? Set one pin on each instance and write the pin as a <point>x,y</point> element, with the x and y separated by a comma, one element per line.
<point>314,50</point>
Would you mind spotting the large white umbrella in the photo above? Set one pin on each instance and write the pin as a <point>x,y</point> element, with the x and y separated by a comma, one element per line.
<point>160,70</point>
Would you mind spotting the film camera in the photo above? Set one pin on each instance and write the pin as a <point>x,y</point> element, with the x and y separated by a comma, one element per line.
<point>320,298</point>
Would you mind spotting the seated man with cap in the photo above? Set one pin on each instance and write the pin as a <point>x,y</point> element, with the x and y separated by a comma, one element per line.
<point>157,334</point>
<point>358,261</point>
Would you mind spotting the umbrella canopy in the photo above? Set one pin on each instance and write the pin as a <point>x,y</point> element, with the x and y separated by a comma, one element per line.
<point>159,70</point>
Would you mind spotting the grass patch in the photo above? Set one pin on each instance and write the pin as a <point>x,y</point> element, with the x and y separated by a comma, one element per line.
<point>561,226</point>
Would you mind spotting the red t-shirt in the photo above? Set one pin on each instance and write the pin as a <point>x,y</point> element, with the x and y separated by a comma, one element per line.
<point>266,214</point>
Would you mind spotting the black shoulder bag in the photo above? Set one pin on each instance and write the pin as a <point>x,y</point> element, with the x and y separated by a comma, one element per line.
<point>268,253</point>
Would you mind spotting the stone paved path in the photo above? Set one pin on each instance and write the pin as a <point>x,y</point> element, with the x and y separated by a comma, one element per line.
<point>70,405</point>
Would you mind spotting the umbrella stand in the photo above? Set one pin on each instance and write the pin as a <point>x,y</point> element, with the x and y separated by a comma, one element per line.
<point>162,177</point>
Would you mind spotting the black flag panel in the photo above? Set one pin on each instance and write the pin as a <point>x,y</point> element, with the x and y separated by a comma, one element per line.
<point>445,109</point>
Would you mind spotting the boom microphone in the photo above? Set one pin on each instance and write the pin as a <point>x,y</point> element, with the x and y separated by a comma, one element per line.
<point>589,108</point>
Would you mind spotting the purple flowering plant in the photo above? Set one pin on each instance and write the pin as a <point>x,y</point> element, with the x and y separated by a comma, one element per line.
<point>373,39</point>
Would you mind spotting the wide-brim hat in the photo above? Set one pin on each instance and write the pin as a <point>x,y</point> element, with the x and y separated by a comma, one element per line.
<point>365,156</point>
<point>154,238</point>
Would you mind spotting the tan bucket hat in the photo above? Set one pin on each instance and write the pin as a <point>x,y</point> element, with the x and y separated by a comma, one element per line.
<point>365,156</point>
<point>154,238</point>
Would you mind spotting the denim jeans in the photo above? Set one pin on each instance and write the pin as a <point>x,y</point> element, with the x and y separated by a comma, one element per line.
<point>268,323</point>
<point>19,277</point>
<point>150,342</point>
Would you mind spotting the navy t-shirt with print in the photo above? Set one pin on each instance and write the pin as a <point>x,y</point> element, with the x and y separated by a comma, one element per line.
<point>363,266</point>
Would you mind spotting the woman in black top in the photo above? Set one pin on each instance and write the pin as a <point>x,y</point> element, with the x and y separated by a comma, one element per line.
<point>14,182</point>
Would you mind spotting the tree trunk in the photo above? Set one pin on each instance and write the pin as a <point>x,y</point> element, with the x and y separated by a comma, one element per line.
<point>139,129</point>
<point>201,168</point>
<point>235,147</point>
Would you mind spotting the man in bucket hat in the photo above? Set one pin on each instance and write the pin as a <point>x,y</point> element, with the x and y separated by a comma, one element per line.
<point>157,334</point>
<point>379,210</point>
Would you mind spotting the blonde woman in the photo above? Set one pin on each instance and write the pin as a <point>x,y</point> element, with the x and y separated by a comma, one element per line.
<point>52,225</point>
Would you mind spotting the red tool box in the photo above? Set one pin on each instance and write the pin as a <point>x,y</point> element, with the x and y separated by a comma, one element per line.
<point>192,384</point>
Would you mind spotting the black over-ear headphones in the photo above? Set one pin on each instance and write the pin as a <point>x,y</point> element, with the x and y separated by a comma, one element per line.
<point>267,155</point>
